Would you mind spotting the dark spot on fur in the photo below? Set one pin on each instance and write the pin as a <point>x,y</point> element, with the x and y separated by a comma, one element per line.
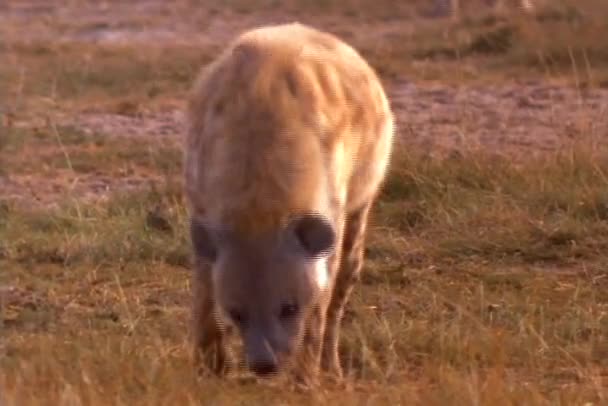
<point>218,107</point>
<point>292,84</point>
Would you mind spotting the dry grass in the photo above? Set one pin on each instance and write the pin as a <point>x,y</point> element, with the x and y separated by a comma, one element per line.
<point>485,280</point>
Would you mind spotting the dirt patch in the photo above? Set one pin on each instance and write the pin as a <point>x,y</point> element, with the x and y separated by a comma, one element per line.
<point>162,124</point>
<point>519,119</point>
<point>41,191</point>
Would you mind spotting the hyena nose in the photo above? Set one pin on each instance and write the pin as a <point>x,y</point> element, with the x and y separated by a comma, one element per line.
<point>261,357</point>
<point>264,368</point>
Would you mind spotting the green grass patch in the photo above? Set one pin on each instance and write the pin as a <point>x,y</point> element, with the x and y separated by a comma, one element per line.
<point>121,230</point>
<point>50,149</point>
<point>552,209</point>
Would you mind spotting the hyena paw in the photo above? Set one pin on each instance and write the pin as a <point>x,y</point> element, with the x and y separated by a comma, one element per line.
<point>331,365</point>
<point>305,379</point>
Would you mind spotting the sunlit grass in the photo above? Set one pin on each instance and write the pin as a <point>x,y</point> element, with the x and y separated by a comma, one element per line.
<point>477,277</point>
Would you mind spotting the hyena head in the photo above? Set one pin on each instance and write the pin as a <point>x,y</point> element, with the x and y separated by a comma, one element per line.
<point>267,287</point>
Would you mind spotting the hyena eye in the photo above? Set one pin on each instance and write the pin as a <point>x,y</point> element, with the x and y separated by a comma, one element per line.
<point>288,311</point>
<point>237,316</point>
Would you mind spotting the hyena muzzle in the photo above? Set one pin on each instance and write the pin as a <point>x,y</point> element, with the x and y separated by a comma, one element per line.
<point>288,142</point>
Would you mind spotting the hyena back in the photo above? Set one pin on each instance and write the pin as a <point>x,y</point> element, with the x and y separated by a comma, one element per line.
<point>288,142</point>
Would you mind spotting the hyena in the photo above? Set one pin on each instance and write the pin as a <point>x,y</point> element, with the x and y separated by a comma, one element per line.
<point>288,142</point>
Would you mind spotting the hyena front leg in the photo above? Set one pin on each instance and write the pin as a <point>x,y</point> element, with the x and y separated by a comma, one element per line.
<point>309,362</point>
<point>347,275</point>
<point>209,351</point>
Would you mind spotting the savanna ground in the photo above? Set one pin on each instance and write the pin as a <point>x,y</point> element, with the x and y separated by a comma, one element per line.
<point>486,278</point>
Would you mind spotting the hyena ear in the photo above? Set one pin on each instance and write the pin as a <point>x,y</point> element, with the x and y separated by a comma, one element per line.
<point>315,234</point>
<point>202,241</point>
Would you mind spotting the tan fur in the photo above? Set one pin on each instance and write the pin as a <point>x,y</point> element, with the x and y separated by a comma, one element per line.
<point>286,120</point>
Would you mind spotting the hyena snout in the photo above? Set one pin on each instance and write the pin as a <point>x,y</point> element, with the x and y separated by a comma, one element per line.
<point>262,358</point>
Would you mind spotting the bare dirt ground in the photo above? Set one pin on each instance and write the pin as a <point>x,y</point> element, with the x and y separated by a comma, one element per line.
<point>516,118</point>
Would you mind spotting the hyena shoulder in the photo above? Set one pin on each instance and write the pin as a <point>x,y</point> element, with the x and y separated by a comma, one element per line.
<point>285,113</point>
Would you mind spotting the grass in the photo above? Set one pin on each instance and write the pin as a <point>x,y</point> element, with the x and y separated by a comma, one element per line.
<point>78,75</point>
<point>541,210</point>
<point>477,287</point>
<point>491,48</point>
<point>485,278</point>
<point>63,148</point>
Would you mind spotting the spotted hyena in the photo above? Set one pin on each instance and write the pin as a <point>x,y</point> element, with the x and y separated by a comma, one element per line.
<point>288,143</point>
